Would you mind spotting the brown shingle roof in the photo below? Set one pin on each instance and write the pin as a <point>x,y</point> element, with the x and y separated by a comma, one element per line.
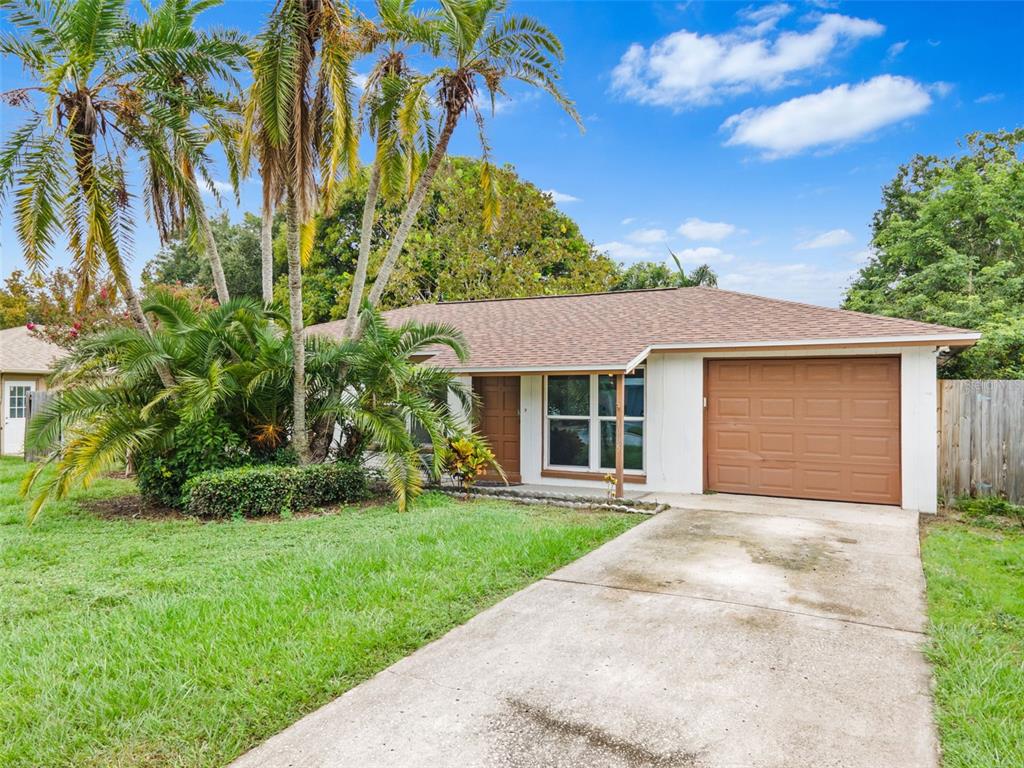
<point>21,352</point>
<point>609,330</point>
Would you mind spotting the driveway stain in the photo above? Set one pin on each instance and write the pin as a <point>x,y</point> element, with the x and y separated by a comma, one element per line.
<point>827,606</point>
<point>531,736</point>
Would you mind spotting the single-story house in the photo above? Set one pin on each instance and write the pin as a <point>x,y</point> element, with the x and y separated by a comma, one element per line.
<point>701,389</point>
<point>25,362</point>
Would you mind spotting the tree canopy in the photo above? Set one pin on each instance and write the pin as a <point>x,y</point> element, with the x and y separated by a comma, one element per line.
<point>949,248</point>
<point>532,248</point>
<point>239,249</point>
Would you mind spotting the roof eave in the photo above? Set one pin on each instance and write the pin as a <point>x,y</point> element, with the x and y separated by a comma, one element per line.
<point>936,340</point>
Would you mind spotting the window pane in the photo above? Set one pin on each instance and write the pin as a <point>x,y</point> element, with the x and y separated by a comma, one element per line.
<point>633,448</point>
<point>568,395</point>
<point>605,395</point>
<point>634,395</point>
<point>569,442</point>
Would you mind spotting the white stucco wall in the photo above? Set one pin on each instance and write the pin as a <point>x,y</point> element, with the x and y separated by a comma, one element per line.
<point>674,448</point>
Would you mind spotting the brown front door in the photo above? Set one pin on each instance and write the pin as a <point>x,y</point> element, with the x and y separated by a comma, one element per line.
<point>498,420</point>
<point>823,428</point>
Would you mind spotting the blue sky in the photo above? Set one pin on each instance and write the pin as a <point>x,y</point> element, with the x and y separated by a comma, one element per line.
<point>753,137</point>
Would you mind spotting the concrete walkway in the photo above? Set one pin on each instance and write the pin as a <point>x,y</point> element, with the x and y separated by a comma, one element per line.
<point>727,632</point>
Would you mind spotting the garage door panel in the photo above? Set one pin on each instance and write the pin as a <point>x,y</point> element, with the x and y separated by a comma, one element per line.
<point>809,428</point>
<point>775,407</point>
<point>732,440</point>
<point>732,407</point>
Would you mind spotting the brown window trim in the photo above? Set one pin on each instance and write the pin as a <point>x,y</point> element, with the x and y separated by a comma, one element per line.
<point>568,474</point>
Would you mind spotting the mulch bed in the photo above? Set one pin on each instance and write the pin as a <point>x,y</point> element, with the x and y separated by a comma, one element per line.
<point>131,507</point>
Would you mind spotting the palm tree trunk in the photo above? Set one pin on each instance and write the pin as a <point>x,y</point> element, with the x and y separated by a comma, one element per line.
<point>210,246</point>
<point>84,151</point>
<point>300,438</point>
<point>355,301</point>
<point>267,246</point>
<point>412,208</point>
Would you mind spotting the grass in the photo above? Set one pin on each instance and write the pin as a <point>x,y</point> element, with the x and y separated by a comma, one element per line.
<point>975,574</point>
<point>176,643</point>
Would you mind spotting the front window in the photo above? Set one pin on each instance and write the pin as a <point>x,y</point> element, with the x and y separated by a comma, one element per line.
<point>580,422</point>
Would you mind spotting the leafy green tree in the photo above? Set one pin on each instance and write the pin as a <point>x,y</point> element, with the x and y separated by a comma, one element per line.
<point>531,249</point>
<point>949,248</point>
<point>46,304</point>
<point>240,255</point>
<point>232,368</point>
<point>652,274</point>
<point>16,299</point>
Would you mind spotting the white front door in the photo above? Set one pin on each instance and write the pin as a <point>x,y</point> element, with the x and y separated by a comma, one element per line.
<point>15,414</point>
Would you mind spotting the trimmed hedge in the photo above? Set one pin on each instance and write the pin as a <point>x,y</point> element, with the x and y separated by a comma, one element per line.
<point>273,490</point>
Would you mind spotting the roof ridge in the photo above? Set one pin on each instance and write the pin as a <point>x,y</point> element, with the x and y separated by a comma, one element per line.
<point>835,310</point>
<point>546,296</point>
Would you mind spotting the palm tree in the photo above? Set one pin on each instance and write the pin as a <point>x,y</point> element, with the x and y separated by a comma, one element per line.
<point>396,111</point>
<point>300,117</point>
<point>93,108</point>
<point>232,365</point>
<point>184,68</point>
<point>702,275</point>
<point>383,392</point>
<point>483,49</point>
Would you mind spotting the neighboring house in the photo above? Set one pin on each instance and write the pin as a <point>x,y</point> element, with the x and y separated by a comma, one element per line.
<point>25,362</point>
<point>721,391</point>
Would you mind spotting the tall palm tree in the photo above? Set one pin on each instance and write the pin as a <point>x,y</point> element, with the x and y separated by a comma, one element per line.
<point>211,57</point>
<point>396,111</point>
<point>300,117</point>
<point>91,110</point>
<point>482,49</point>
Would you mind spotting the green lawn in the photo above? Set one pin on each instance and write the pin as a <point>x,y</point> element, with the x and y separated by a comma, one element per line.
<point>175,643</point>
<point>976,606</point>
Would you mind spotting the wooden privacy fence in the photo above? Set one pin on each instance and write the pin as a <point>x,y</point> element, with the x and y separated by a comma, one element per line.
<point>36,400</point>
<point>981,439</point>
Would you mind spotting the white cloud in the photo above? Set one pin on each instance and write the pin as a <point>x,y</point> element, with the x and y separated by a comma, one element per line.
<point>810,283</point>
<point>359,80</point>
<point>561,197</point>
<point>764,17</point>
<point>894,50</point>
<point>703,254</point>
<point>687,68</point>
<point>648,236</point>
<point>863,257</point>
<point>627,221</point>
<point>831,239</point>
<point>698,229</point>
<point>989,98</point>
<point>832,117</point>
<point>625,251</point>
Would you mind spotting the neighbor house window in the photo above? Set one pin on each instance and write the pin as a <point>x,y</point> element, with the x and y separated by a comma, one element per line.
<point>17,401</point>
<point>580,422</point>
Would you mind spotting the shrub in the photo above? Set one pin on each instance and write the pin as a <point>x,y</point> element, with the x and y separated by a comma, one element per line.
<point>273,490</point>
<point>198,447</point>
<point>467,457</point>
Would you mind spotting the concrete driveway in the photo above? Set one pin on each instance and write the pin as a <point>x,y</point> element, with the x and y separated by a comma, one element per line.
<point>727,631</point>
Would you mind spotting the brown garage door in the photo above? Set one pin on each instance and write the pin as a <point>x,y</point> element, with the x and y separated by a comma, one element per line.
<point>825,428</point>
